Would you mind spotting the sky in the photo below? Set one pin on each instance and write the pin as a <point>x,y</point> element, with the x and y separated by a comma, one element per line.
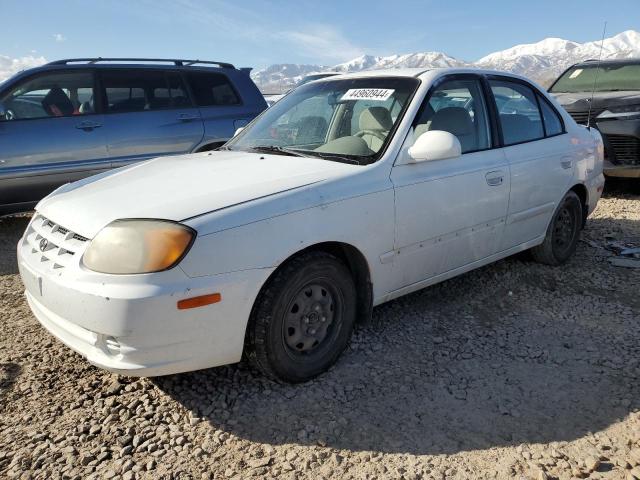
<point>259,33</point>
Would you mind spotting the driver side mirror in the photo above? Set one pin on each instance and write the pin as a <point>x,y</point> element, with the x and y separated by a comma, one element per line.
<point>434,145</point>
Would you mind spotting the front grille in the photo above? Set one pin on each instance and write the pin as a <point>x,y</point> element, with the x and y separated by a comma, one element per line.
<point>53,245</point>
<point>625,148</point>
<point>581,116</point>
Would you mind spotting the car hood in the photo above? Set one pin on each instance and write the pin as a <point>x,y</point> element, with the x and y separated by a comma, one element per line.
<point>181,187</point>
<point>601,100</point>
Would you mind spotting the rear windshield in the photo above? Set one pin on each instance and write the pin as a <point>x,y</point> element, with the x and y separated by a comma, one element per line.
<point>610,78</point>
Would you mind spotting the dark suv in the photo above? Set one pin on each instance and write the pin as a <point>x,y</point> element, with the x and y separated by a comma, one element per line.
<point>615,108</point>
<point>73,118</point>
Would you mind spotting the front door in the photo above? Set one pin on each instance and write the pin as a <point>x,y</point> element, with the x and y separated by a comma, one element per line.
<point>50,135</point>
<point>450,213</point>
<point>148,113</point>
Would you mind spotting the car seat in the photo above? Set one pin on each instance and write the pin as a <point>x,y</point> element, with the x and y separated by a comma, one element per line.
<point>374,124</point>
<point>57,104</point>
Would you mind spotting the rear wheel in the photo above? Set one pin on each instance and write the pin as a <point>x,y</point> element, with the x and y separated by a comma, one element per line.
<point>303,318</point>
<point>562,235</point>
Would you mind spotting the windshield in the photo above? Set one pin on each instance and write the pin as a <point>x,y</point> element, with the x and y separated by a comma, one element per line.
<point>611,78</point>
<point>351,119</point>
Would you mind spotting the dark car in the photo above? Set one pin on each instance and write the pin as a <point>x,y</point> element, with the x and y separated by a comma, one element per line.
<point>615,108</point>
<point>73,118</point>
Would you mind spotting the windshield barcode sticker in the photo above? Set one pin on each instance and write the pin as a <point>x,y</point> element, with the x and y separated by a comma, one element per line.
<point>377,94</point>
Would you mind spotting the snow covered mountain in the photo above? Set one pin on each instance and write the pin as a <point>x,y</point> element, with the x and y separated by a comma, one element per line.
<point>546,59</point>
<point>542,61</point>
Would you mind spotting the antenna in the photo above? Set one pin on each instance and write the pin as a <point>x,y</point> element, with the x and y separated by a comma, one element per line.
<point>595,78</point>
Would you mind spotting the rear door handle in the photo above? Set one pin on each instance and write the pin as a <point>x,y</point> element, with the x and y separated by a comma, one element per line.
<point>495,179</point>
<point>87,126</point>
<point>186,117</point>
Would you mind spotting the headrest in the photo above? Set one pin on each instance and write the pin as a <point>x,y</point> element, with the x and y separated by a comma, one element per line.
<point>375,118</point>
<point>455,120</point>
<point>57,104</point>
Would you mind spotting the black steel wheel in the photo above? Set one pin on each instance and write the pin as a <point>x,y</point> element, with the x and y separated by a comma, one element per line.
<point>563,232</point>
<point>303,318</point>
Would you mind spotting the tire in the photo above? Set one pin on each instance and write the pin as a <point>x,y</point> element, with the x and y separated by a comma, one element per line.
<point>563,232</point>
<point>302,319</point>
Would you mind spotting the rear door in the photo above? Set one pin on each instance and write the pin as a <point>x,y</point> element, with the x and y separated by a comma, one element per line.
<point>539,155</point>
<point>222,107</point>
<point>148,113</point>
<point>52,134</point>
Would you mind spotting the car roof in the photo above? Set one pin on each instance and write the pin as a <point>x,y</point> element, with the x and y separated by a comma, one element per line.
<point>133,63</point>
<point>615,61</point>
<point>422,73</point>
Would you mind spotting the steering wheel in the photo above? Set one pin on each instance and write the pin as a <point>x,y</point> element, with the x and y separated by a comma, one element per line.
<point>375,133</point>
<point>9,115</point>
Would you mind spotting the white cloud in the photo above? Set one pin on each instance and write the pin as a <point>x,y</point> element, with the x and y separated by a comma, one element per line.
<point>58,37</point>
<point>9,66</point>
<point>322,42</point>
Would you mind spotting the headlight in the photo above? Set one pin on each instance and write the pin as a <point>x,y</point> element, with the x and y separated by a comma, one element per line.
<point>138,246</point>
<point>626,112</point>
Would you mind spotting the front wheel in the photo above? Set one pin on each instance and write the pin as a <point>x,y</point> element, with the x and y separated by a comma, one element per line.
<point>303,318</point>
<point>562,235</point>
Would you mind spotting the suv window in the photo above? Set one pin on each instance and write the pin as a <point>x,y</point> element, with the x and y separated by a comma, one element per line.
<point>518,110</point>
<point>457,107</point>
<point>212,89</point>
<point>552,121</point>
<point>137,91</point>
<point>51,95</point>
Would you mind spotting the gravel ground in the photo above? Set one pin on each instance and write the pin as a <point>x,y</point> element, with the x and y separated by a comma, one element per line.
<point>516,370</point>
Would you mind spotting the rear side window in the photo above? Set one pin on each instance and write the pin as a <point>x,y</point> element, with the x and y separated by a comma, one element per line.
<point>518,110</point>
<point>137,91</point>
<point>212,89</point>
<point>552,121</point>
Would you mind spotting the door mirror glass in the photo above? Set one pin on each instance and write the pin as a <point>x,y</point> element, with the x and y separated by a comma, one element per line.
<point>3,112</point>
<point>435,145</point>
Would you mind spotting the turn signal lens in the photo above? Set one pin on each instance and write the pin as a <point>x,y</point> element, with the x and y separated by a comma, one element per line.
<point>138,246</point>
<point>200,301</point>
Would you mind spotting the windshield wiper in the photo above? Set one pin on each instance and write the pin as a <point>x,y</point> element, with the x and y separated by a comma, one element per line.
<point>337,158</point>
<point>279,149</point>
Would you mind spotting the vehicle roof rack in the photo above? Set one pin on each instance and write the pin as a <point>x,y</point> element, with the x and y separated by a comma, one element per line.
<point>176,61</point>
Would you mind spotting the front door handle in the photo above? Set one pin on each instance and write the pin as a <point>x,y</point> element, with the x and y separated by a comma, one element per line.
<point>186,117</point>
<point>87,126</point>
<point>495,179</point>
<point>566,162</point>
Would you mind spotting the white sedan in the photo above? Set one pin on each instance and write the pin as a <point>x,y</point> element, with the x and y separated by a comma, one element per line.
<point>349,192</point>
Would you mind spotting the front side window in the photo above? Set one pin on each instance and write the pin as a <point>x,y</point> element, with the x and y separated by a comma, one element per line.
<point>212,89</point>
<point>344,120</point>
<point>138,91</point>
<point>518,111</point>
<point>457,107</point>
<point>51,95</point>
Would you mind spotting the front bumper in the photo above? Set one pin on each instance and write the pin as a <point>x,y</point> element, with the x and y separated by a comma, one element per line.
<point>130,324</point>
<point>622,147</point>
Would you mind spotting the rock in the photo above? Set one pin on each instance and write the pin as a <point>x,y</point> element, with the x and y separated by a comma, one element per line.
<point>86,459</point>
<point>591,463</point>
<point>633,474</point>
<point>259,462</point>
